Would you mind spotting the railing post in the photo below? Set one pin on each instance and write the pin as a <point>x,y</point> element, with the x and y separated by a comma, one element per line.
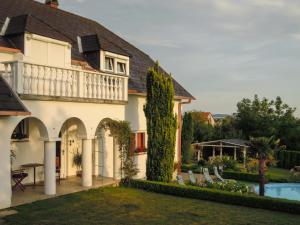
<point>19,76</point>
<point>80,84</point>
<point>125,96</point>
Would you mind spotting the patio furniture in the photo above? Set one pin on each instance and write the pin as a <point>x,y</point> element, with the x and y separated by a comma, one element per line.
<point>180,180</point>
<point>207,176</point>
<point>218,175</point>
<point>18,176</point>
<point>192,177</point>
<point>34,166</point>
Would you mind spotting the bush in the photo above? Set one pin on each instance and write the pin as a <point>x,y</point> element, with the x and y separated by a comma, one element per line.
<point>251,177</point>
<point>231,186</point>
<point>230,163</point>
<point>219,196</point>
<point>201,162</point>
<point>287,159</point>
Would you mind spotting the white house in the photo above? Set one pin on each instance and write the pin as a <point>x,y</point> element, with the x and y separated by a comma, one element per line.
<point>60,76</point>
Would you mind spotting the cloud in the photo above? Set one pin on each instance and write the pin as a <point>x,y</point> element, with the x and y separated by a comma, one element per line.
<point>219,50</point>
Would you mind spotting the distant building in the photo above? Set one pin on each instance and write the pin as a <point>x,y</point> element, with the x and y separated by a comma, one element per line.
<point>208,117</point>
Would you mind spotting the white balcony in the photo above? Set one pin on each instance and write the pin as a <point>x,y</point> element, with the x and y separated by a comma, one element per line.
<point>40,80</point>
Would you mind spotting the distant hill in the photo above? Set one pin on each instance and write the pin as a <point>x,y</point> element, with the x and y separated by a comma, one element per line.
<point>220,116</point>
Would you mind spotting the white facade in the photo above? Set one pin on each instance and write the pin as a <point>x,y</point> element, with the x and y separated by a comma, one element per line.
<point>67,104</point>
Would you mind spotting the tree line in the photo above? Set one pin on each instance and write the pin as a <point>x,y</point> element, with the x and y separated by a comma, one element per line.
<point>254,118</point>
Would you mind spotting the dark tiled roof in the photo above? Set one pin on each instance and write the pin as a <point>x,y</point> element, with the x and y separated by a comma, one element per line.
<point>4,42</point>
<point>9,101</point>
<point>90,43</point>
<point>62,25</point>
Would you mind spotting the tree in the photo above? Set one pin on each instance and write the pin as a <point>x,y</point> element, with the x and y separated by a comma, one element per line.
<point>202,130</point>
<point>226,129</point>
<point>258,118</point>
<point>262,147</point>
<point>187,137</point>
<point>161,125</point>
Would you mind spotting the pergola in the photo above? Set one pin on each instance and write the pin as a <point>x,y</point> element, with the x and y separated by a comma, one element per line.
<point>235,144</point>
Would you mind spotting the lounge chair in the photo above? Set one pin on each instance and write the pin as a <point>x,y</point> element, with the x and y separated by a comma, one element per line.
<point>193,180</point>
<point>207,176</point>
<point>180,180</point>
<point>217,174</point>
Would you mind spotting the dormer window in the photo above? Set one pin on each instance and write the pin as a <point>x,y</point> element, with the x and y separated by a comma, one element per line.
<point>121,67</point>
<point>109,64</point>
<point>114,63</point>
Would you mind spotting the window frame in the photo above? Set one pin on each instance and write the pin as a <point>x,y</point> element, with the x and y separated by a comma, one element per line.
<point>140,140</point>
<point>122,64</point>
<point>111,63</point>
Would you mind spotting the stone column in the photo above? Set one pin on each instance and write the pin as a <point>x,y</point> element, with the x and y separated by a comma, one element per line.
<point>50,167</point>
<point>245,155</point>
<point>87,178</point>
<point>214,152</point>
<point>5,168</point>
<point>234,156</point>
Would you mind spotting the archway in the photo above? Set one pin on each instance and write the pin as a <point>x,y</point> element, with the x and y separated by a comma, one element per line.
<point>27,153</point>
<point>106,162</point>
<point>70,146</point>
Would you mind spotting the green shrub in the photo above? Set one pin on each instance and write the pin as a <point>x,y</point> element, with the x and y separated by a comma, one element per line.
<point>219,196</point>
<point>288,159</point>
<point>230,163</point>
<point>201,162</point>
<point>251,177</point>
<point>231,186</point>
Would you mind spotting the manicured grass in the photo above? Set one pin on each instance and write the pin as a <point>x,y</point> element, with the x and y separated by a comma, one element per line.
<point>132,206</point>
<point>278,174</point>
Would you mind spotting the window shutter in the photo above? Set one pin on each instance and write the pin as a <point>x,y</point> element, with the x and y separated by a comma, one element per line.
<point>132,143</point>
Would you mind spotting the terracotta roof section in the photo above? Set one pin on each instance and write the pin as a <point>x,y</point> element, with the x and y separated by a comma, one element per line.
<point>58,24</point>
<point>10,103</point>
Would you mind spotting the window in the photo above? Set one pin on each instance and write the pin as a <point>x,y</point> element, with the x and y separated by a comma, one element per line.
<point>109,63</point>
<point>22,130</point>
<point>121,67</point>
<point>140,142</point>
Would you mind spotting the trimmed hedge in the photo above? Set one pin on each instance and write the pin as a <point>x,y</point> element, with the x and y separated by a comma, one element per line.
<point>253,201</point>
<point>251,177</point>
<point>288,159</point>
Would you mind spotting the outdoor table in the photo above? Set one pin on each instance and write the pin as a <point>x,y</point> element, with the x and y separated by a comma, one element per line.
<point>34,166</point>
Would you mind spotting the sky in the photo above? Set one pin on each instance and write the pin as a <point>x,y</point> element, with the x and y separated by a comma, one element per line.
<point>220,50</point>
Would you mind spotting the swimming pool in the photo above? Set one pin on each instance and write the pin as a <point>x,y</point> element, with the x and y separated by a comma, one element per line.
<point>285,190</point>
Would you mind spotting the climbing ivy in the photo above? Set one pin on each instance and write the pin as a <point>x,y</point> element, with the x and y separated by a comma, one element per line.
<point>121,131</point>
<point>161,125</point>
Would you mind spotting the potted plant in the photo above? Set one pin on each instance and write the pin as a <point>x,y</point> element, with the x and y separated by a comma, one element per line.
<point>77,162</point>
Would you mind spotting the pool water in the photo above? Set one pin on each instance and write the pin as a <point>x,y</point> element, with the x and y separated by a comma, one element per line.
<point>289,191</point>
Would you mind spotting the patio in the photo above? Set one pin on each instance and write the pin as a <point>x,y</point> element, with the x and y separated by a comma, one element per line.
<point>67,186</point>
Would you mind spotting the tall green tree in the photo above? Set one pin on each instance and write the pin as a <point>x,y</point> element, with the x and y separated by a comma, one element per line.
<point>203,131</point>
<point>161,125</point>
<point>257,118</point>
<point>262,147</point>
<point>187,137</point>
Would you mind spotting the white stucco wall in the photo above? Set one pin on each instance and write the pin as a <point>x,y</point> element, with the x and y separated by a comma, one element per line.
<point>29,151</point>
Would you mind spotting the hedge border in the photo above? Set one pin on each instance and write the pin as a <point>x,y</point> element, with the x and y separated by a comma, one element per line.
<point>288,159</point>
<point>251,177</point>
<point>247,200</point>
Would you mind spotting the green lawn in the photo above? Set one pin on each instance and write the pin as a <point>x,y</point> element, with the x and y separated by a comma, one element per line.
<point>131,206</point>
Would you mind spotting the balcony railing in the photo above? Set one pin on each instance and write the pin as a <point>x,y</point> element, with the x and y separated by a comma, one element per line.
<point>40,80</point>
